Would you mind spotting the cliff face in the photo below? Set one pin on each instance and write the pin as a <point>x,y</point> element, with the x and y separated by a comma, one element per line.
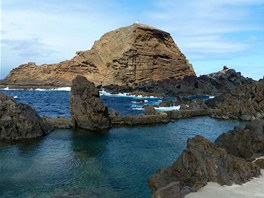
<point>126,56</point>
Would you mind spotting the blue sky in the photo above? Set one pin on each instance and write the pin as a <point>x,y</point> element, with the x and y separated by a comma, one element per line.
<point>210,33</point>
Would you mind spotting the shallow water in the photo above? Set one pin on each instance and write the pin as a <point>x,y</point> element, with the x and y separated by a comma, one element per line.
<point>56,103</point>
<point>82,164</point>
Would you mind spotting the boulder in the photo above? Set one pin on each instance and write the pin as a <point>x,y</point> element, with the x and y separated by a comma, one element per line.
<point>246,142</point>
<point>202,162</point>
<point>20,121</point>
<point>87,110</point>
<point>259,162</point>
<point>150,110</point>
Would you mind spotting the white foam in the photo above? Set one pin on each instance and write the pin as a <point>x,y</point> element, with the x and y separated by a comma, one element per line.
<point>8,89</point>
<point>15,97</point>
<point>253,189</point>
<point>104,93</point>
<point>168,108</point>
<point>139,101</point>
<point>211,97</point>
<point>138,108</point>
<point>63,89</point>
<point>54,89</point>
<point>40,89</point>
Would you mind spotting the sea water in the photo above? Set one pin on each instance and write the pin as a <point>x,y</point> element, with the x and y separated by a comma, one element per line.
<point>78,163</point>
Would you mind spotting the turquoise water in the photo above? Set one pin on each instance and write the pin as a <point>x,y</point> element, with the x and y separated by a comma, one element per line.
<point>82,164</point>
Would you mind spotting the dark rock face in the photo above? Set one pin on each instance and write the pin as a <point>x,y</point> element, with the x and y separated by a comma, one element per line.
<point>245,142</point>
<point>88,111</point>
<point>202,162</point>
<point>246,102</point>
<point>224,81</point>
<point>260,163</point>
<point>20,121</point>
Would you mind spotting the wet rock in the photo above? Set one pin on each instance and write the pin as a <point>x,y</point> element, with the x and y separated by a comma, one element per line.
<point>202,162</point>
<point>136,120</point>
<point>20,121</point>
<point>245,142</point>
<point>150,110</point>
<point>59,123</point>
<point>87,110</point>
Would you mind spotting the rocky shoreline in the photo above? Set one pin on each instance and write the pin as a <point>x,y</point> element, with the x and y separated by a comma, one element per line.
<point>232,158</point>
<point>229,160</point>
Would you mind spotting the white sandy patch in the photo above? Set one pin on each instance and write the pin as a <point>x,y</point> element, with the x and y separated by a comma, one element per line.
<point>252,189</point>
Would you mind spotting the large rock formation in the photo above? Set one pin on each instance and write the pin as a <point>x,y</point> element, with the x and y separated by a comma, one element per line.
<point>88,111</point>
<point>126,56</point>
<point>245,142</point>
<point>19,121</point>
<point>223,81</point>
<point>201,162</point>
<point>246,102</point>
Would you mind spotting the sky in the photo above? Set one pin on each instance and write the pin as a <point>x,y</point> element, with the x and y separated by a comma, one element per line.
<point>211,33</point>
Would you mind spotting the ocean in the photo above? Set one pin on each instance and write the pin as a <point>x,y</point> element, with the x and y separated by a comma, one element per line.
<point>77,163</point>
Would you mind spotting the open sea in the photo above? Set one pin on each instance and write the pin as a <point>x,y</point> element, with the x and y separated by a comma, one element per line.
<point>78,163</point>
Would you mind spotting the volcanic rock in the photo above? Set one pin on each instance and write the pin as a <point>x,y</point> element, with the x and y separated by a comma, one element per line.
<point>150,110</point>
<point>246,102</point>
<point>259,162</point>
<point>223,81</point>
<point>127,56</point>
<point>20,121</point>
<point>87,110</point>
<point>245,142</point>
<point>202,162</point>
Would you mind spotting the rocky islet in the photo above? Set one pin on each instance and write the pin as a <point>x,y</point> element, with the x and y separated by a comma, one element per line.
<point>125,57</point>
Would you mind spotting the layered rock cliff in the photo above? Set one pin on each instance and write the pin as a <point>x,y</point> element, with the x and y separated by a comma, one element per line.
<point>126,56</point>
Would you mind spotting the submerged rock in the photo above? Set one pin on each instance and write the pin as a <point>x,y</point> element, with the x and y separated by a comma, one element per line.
<point>20,121</point>
<point>202,162</point>
<point>87,109</point>
<point>245,142</point>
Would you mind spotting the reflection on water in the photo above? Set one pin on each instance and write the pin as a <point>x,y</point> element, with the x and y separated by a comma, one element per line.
<point>114,164</point>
